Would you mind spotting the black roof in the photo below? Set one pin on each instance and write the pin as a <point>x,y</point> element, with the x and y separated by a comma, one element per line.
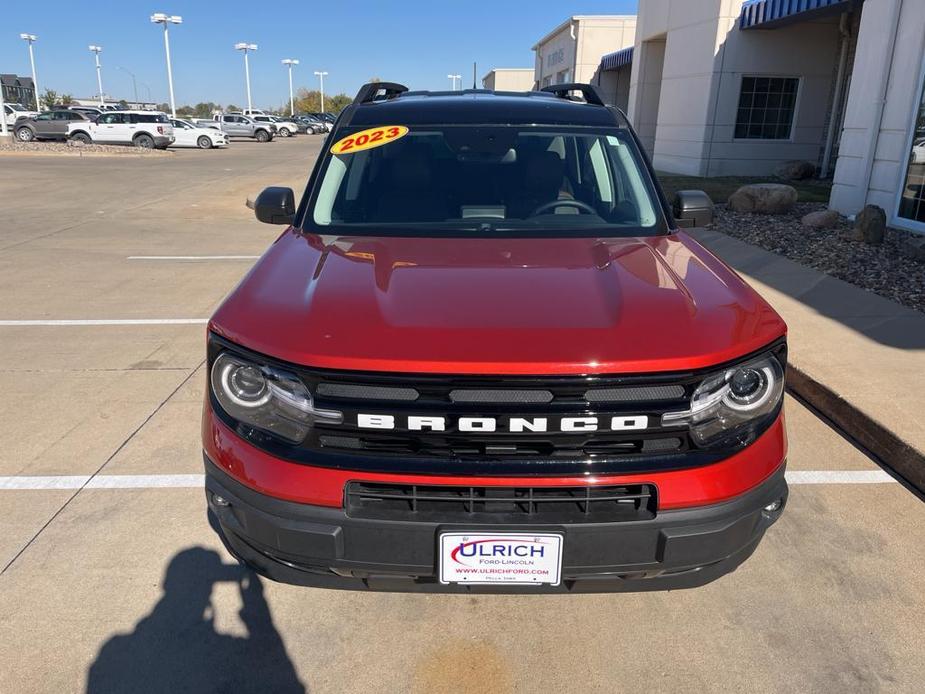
<point>482,106</point>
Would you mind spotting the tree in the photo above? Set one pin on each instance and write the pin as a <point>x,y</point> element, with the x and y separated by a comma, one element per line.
<point>164,107</point>
<point>123,104</point>
<point>66,99</point>
<point>337,103</point>
<point>49,99</point>
<point>309,101</point>
<point>232,107</point>
<point>205,109</point>
<point>186,111</point>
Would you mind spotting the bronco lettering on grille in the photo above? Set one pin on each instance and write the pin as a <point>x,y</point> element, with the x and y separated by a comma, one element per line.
<point>514,425</point>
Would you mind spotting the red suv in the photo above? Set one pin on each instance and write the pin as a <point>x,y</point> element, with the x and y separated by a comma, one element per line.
<point>483,357</point>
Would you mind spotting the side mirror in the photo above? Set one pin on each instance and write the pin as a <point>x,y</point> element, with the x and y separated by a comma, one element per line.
<point>692,208</point>
<point>275,205</point>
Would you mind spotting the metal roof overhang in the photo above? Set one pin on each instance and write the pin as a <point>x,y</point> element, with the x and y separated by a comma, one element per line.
<point>617,59</point>
<point>769,14</point>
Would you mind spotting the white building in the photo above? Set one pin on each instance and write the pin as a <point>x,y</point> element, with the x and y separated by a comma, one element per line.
<point>507,79</point>
<point>735,87</point>
<point>572,51</point>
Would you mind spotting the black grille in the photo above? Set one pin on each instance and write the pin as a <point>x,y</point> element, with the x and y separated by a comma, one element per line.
<point>451,504</point>
<point>506,450</point>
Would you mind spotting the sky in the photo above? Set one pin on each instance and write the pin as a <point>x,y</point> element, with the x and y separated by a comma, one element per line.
<point>416,42</point>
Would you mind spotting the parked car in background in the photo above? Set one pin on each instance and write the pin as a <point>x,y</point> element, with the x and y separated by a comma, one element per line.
<point>254,112</point>
<point>312,124</point>
<point>48,125</point>
<point>92,112</point>
<point>324,121</point>
<point>187,134</point>
<point>239,125</point>
<point>284,127</point>
<point>146,129</point>
<point>13,112</point>
<point>918,151</point>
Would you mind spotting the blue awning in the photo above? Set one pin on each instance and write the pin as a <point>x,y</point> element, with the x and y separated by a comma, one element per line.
<point>617,59</point>
<point>766,14</point>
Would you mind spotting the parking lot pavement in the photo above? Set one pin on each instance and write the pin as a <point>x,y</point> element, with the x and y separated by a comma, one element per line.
<point>128,589</point>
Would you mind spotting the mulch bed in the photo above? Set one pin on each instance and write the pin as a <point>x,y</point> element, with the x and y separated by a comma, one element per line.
<point>885,270</point>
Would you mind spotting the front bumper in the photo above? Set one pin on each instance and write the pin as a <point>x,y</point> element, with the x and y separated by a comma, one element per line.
<point>319,546</point>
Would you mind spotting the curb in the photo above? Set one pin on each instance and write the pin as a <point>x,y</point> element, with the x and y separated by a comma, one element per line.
<point>864,430</point>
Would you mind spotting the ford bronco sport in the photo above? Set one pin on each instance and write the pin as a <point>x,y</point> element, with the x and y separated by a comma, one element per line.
<point>484,356</point>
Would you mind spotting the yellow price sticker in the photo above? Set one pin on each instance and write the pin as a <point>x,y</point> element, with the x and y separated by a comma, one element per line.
<point>367,139</point>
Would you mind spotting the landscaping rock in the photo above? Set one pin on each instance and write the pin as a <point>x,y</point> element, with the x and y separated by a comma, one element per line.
<point>890,269</point>
<point>764,198</point>
<point>869,226</point>
<point>914,248</point>
<point>820,219</point>
<point>797,170</point>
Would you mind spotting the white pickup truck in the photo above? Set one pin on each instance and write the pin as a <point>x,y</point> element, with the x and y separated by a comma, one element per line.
<point>144,129</point>
<point>13,112</point>
<point>239,125</point>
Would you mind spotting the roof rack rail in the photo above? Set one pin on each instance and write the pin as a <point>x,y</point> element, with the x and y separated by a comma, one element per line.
<point>379,91</point>
<point>588,91</point>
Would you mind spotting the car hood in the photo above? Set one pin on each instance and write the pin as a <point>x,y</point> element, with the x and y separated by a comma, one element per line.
<point>496,306</point>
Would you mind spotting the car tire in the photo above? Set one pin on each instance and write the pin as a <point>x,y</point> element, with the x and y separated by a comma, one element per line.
<point>143,141</point>
<point>204,142</point>
<point>25,135</point>
<point>262,136</point>
<point>82,138</point>
<point>284,132</point>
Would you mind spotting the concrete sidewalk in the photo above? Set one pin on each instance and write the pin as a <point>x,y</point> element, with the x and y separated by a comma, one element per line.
<point>855,356</point>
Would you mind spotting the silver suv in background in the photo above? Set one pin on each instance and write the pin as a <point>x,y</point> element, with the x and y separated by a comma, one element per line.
<point>238,125</point>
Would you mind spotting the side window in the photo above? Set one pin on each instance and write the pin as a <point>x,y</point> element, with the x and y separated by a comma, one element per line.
<point>106,119</point>
<point>43,116</point>
<point>73,115</point>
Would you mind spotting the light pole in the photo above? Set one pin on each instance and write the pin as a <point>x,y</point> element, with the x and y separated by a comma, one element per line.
<point>321,77</point>
<point>30,39</point>
<point>4,133</point>
<point>165,19</point>
<point>245,48</point>
<point>453,79</point>
<point>134,83</point>
<point>289,62</point>
<point>99,74</point>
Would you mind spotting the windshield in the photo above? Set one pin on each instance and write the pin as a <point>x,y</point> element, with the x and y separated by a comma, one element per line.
<point>16,107</point>
<point>533,180</point>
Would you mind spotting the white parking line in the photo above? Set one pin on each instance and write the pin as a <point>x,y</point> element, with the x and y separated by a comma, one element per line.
<point>838,477</point>
<point>95,321</point>
<point>192,257</point>
<point>197,481</point>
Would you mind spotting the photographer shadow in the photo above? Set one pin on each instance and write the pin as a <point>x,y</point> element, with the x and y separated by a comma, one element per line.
<point>177,649</point>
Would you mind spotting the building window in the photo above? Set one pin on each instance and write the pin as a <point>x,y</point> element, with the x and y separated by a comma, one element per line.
<point>766,106</point>
<point>912,195</point>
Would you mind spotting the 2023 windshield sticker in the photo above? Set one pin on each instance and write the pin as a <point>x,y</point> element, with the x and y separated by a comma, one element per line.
<point>367,139</point>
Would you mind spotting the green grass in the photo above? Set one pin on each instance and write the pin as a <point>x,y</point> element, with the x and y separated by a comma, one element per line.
<point>721,187</point>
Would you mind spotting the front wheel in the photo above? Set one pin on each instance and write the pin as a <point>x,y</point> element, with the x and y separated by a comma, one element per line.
<point>25,135</point>
<point>204,142</point>
<point>143,141</point>
<point>262,136</point>
<point>284,132</point>
<point>82,138</point>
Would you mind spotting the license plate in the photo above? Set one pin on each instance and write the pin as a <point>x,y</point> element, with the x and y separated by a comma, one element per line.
<point>506,558</point>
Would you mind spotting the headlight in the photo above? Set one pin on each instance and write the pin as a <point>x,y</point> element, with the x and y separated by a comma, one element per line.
<point>727,404</point>
<point>266,398</point>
